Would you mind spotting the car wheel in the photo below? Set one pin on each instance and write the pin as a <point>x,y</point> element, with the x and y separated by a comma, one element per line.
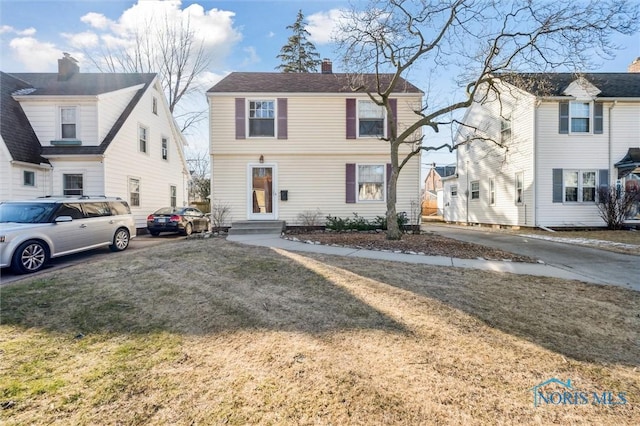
<point>154,233</point>
<point>30,257</point>
<point>188,229</point>
<point>120,240</point>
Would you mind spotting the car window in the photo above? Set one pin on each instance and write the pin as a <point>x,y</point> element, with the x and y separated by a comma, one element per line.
<point>26,212</point>
<point>70,209</point>
<point>119,207</point>
<point>97,209</point>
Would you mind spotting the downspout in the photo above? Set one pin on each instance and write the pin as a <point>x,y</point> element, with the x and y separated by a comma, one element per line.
<point>610,143</point>
<point>536,202</point>
<point>466,193</point>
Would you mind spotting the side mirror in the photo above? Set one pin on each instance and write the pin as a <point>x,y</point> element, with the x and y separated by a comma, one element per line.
<point>63,219</point>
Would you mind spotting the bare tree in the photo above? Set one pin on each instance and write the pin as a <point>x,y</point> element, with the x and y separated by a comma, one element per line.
<point>200,184</point>
<point>170,48</point>
<point>477,40</point>
<point>615,204</point>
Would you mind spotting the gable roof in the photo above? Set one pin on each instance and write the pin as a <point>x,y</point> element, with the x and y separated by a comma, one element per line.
<point>611,85</point>
<point>79,84</point>
<point>17,133</point>
<point>82,84</point>
<point>278,82</point>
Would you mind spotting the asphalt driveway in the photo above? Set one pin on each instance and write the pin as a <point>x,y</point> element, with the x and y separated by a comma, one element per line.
<point>602,266</point>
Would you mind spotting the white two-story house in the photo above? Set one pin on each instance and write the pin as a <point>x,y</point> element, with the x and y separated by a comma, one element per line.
<point>564,136</point>
<point>71,133</point>
<point>287,143</point>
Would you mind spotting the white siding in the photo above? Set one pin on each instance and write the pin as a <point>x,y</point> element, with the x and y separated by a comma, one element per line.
<point>90,169</point>
<point>483,160</point>
<point>311,162</point>
<point>12,178</point>
<point>44,118</point>
<point>313,183</point>
<point>123,160</point>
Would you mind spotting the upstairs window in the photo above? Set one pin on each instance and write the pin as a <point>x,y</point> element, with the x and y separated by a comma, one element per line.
<point>505,130</point>
<point>165,148</point>
<point>154,106</point>
<point>142,139</point>
<point>370,119</point>
<point>262,116</point>
<point>68,123</point>
<point>581,117</point>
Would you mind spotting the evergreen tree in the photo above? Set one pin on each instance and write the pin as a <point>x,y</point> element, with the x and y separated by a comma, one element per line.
<point>299,54</point>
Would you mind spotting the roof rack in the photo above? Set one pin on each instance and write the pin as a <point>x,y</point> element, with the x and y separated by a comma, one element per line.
<point>80,197</point>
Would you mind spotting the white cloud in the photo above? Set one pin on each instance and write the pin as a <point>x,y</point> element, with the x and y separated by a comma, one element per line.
<point>323,25</point>
<point>35,54</point>
<point>96,20</point>
<point>251,56</point>
<point>27,33</point>
<point>85,40</point>
<point>6,29</point>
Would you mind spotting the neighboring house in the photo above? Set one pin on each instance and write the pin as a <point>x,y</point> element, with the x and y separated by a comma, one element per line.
<point>432,200</point>
<point>283,144</point>
<point>72,133</point>
<point>566,135</point>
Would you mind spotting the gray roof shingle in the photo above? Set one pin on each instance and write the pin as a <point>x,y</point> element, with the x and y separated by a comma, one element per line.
<point>17,133</point>
<point>82,84</point>
<point>276,82</point>
<point>611,85</point>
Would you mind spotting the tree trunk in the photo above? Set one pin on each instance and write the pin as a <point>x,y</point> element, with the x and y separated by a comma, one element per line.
<point>393,231</point>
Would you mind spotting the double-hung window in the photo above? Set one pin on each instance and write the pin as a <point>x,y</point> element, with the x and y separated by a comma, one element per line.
<point>475,190</point>
<point>72,184</point>
<point>505,130</point>
<point>68,123</point>
<point>579,186</point>
<point>492,191</point>
<point>581,117</point>
<point>262,118</point>
<point>519,188</point>
<point>454,191</point>
<point>371,180</point>
<point>29,178</point>
<point>371,122</point>
<point>165,148</point>
<point>134,192</point>
<point>173,195</point>
<point>142,139</point>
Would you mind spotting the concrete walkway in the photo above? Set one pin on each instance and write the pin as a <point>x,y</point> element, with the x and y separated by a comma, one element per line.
<point>536,269</point>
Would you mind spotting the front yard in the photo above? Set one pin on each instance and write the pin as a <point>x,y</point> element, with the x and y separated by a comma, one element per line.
<point>211,332</point>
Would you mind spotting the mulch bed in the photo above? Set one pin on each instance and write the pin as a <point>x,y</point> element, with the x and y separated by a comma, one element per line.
<point>426,244</point>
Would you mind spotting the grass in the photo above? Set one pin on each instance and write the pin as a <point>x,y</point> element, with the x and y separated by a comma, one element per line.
<point>230,334</point>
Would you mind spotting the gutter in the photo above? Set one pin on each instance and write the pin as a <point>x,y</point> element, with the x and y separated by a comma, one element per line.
<point>610,155</point>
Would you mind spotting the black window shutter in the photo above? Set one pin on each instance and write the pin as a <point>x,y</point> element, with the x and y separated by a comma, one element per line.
<point>597,118</point>
<point>350,183</point>
<point>282,118</point>
<point>240,119</point>
<point>557,185</point>
<point>564,118</point>
<point>603,178</point>
<point>351,118</point>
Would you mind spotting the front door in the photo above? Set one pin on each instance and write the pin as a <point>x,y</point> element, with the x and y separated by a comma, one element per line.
<point>262,199</point>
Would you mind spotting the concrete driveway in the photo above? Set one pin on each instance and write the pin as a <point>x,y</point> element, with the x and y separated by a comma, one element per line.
<point>601,266</point>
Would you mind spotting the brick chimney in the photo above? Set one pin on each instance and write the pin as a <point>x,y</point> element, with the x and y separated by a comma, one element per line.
<point>635,66</point>
<point>327,67</point>
<point>67,66</point>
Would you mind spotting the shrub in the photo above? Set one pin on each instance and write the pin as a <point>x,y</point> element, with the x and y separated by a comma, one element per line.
<point>358,223</point>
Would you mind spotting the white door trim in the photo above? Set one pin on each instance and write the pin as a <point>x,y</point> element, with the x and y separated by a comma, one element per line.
<point>274,192</point>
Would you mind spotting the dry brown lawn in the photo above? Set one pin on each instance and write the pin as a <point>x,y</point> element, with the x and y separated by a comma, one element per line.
<point>211,332</point>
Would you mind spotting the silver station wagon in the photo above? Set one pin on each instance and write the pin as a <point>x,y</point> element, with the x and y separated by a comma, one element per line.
<point>34,231</point>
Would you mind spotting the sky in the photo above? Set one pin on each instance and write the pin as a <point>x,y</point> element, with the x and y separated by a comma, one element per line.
<point>240,35</point>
